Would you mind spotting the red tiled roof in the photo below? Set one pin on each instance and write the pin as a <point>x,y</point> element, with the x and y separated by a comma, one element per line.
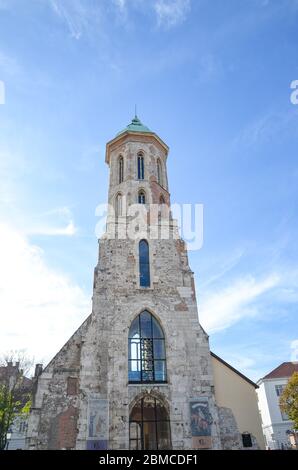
<point>286,369</point>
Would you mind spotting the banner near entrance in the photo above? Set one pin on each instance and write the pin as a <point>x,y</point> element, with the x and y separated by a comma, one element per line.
<point>98,424</point>
<point>201,421</point>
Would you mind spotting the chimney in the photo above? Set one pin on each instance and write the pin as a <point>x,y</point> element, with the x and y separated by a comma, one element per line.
<point>38,370</point>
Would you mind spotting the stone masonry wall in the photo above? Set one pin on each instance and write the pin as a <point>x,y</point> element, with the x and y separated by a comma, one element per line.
<point>93,365</point>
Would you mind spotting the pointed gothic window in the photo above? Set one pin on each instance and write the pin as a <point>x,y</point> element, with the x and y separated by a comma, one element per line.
<point>159,175</point>
<point>146,350</point>
<point>120,170</point>
<point>144,265</point>
<point>141,197</point>
<point>140,167</point>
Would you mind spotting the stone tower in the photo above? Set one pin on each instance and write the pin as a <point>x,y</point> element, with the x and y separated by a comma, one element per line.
<point>137,374</point>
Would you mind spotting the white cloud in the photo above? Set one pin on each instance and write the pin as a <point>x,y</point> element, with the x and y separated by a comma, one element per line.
<point>81,16</point>
<point>171,12</point>
<point>267,127</point>
<point>226,306</point>
<point>57,221</point>
<point>69,230</point>
<point>40,307</point>
<point>218,267</point>
<point>54,222</point>
<point>251,361</point>
<point>78,15</point>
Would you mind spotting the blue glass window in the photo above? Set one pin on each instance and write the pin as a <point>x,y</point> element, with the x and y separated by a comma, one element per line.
<point>144,264</point>
<point>120,170</point>
<point>146,350</point>
<point>141,198</point>
<point>140,167</point>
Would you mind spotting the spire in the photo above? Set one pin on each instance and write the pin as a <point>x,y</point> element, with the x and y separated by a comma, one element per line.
<point>135,126</point>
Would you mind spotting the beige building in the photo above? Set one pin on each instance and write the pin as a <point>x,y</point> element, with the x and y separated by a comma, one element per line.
<point>236,392</point>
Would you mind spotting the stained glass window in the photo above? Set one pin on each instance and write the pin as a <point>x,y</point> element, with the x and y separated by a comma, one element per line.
<point>146,350</point>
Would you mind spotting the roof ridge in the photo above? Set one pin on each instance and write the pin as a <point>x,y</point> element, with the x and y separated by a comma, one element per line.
<point>285,369</point>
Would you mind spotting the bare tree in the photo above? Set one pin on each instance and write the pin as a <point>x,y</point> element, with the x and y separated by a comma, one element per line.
<point>19,356</point>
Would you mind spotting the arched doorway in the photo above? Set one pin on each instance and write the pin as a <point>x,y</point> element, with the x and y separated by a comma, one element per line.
<point>149,425</point>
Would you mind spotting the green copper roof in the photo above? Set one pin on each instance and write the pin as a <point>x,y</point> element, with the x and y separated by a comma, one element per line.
<point>135,126</point>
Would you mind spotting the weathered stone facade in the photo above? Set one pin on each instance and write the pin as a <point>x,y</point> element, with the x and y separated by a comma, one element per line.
<point>93,366</point>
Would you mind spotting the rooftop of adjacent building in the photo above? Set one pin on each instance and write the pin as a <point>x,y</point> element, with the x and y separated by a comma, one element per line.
<point>12,370</point>
<point>284,370</point>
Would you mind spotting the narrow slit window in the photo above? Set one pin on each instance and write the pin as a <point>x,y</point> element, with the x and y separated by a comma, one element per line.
<point>142,197</point>
<point>140,167</point>
<point>120,164</point>
<point>118,205</point>
<point>144,264</point>
<point>159,174</point>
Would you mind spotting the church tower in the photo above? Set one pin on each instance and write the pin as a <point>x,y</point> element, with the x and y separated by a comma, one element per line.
<point>137,374</point>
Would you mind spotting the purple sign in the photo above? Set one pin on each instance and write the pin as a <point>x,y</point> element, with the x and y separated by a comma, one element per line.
<point>97,445</point>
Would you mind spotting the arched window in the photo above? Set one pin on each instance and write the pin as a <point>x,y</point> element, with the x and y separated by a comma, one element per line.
<point>144,265</point>
<point>141,197</point>
<point>140,167</point>
<point>149,425</point>
<point>146,350</point>
<point>120,169</point>
<point>162,200</point>
<point>159,174</point>
<point>118,208</point>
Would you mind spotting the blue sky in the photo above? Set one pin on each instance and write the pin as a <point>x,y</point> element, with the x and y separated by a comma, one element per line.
<point>213,80</point>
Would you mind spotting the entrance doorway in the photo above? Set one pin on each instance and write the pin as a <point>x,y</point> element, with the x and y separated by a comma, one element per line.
<point>149,425</point>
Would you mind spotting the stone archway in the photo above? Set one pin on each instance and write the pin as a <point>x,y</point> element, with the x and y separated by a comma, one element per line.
<point>149,425</point>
